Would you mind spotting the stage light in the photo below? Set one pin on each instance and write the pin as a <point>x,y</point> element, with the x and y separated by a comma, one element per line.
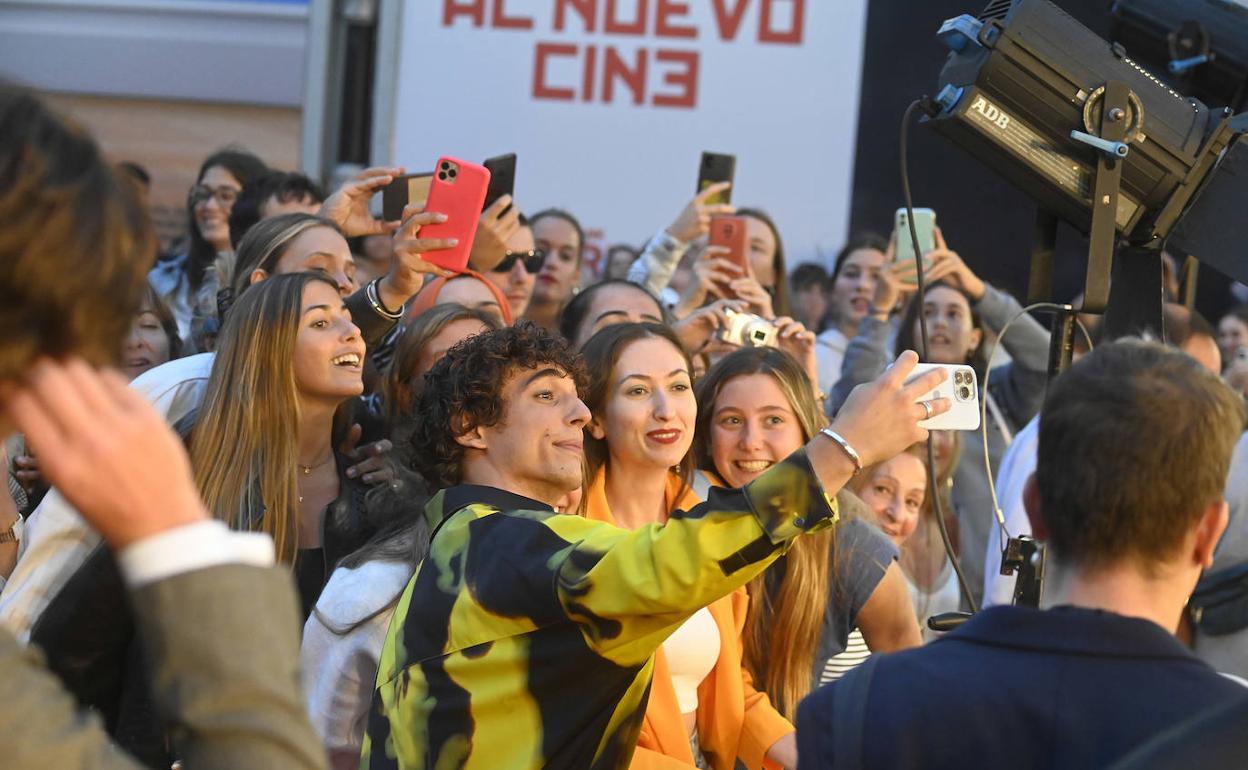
<point>1200,45</point>
<point>1091,135</point>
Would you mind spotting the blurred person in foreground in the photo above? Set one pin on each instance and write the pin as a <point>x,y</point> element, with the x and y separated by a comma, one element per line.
<point>1135,444</point>
<point>112,457</point>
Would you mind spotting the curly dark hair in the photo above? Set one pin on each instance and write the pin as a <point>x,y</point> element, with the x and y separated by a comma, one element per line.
<point>465,390</point>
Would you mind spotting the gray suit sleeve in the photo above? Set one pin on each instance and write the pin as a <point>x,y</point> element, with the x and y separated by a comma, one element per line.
<point>41,724</point>
<point>223,644</point>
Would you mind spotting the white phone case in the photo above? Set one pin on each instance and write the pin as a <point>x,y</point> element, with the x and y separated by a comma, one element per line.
<point>961,388</point>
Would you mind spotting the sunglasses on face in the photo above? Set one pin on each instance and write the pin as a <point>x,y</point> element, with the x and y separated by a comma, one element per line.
<point>225,195</point>
<point>533,260</point>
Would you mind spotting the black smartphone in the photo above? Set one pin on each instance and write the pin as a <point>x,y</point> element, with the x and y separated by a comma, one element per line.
<point>502,177</point>
<point>716,167</point>
<point>409,188</point>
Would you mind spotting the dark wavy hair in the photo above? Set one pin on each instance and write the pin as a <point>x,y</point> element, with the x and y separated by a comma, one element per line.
<point>465,390</point>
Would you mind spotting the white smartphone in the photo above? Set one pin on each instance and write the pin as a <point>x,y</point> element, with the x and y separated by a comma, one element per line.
<point>925,228</point>
<point>961,388</point>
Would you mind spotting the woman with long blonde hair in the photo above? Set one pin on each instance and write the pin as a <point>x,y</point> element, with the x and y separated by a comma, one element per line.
<point>262,443</point>
<point>755,407</point>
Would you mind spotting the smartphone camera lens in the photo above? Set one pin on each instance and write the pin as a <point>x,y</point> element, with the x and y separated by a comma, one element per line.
<point>451,173</point>
<point>442,175</point>
<point>957,377</point>
<point>445,165</point>
<point>965,393</point>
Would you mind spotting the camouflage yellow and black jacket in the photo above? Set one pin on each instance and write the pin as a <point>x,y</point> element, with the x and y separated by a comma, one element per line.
<point>526,638</point>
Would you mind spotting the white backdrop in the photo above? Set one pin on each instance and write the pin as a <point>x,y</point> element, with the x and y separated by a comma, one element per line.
<point>774,82</point>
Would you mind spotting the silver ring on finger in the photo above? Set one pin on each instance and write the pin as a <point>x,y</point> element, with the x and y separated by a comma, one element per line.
<point>927,409</point>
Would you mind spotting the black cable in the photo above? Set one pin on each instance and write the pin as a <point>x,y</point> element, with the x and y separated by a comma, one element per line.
<point>922,287</point>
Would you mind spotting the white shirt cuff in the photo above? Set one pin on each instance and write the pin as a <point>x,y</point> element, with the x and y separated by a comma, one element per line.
<point>192,547</point>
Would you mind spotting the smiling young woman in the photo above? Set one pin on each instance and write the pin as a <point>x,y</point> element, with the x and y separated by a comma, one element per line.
<point>261,446</point>
<point>639,460</point>
<point>756,407</point>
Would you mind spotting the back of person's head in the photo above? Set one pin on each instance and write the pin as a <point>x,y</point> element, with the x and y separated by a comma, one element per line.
<point>75,245</point>
<point>601,353</point>
<point>264,245</point>
<point>808,276</point>
<point>575,315</point>
<point>464,391</point>
<point>244,442</point>
<point>284,187</point>
<point>400,385</point>
<point>1135,443</point>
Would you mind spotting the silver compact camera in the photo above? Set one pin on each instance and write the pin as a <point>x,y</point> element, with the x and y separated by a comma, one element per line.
<point>748,331</point>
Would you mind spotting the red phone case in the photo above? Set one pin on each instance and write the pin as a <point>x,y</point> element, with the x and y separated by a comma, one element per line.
<point>458,190</point>
<point>729,232</point>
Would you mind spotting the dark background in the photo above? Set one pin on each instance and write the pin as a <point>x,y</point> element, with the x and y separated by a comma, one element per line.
<point>984,218</point>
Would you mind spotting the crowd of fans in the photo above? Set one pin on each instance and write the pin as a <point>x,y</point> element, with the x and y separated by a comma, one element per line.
<point>294,496</point>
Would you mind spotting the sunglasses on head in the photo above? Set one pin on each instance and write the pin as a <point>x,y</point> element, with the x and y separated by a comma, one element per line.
<point>533,260</point>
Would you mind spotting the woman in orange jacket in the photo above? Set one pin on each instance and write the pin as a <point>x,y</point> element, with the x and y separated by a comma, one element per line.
<point>703,710</point>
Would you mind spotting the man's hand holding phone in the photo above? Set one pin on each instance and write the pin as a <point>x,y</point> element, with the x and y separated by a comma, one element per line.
<point>695,219</point>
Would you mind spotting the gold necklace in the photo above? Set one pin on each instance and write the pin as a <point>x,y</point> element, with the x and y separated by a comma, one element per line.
<point>307,469</point>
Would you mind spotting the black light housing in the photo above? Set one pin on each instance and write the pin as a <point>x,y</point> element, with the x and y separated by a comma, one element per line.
<point>1201,46</point>
<point>1025,90</point>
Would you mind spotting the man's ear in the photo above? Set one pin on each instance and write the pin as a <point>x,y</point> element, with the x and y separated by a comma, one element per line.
<point>1209,532</point>
<point>473,438</point>
<point>1031,502</point>
<point>595,429</point>
<point>257,275</point>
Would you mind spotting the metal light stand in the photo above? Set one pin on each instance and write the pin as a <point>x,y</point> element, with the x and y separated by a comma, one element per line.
<point>1113,287</point>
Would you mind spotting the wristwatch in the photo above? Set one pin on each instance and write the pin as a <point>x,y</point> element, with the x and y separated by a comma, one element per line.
<point>14,533</point>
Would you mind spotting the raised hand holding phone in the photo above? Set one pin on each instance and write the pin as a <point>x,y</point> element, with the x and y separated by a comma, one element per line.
<point>947,266</point>
<point>458,191</point>
<point>347,206</point>
<point>694,220</point>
